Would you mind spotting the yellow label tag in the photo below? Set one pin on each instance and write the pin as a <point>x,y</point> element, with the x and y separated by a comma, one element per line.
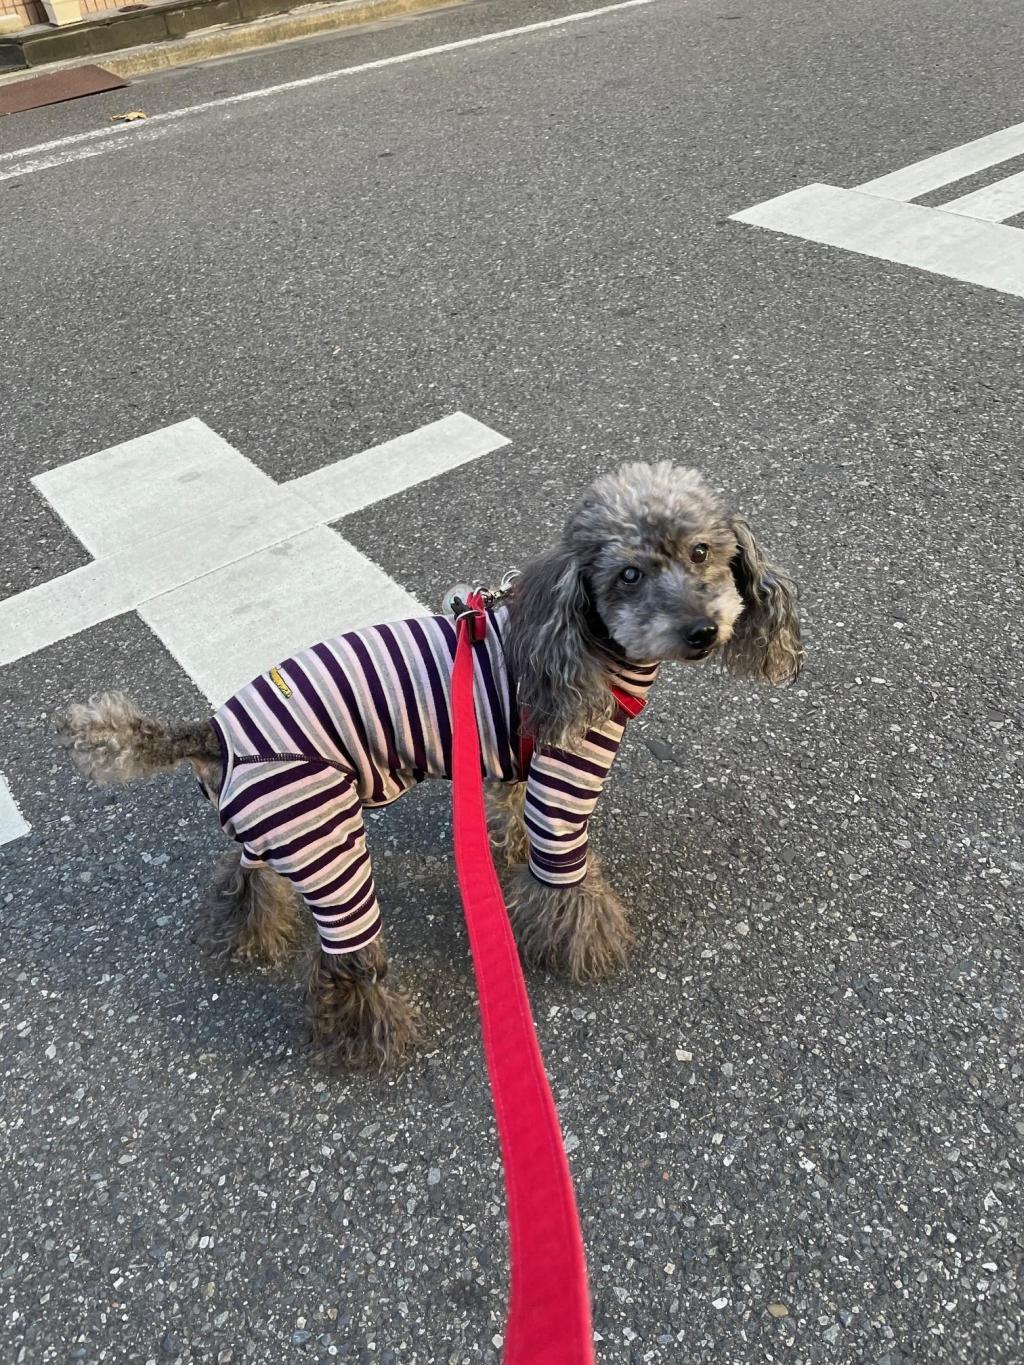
<point>279,682</point>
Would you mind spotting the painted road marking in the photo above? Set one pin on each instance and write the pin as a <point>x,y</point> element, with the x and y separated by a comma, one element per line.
<point>231,570</point>
<point>131,493</point>
<point>935,171</point>
<point>64,150</point>
<point>965,238</point>
<point>229,626</point>
<point>967,249</point>
<point>996,203</point>
<point>12,823</point>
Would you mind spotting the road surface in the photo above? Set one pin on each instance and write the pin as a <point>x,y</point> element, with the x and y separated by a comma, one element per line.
<point>795,1122</point>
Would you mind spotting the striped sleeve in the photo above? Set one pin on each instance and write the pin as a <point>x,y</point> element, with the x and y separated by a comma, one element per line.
<point>562,790</point>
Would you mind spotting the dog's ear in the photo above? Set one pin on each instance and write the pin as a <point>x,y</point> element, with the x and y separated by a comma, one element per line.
<point>562,688</point>
<point>765,643</point>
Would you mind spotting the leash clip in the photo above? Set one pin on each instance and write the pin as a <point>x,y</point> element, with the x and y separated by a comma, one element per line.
<point>469,605</point>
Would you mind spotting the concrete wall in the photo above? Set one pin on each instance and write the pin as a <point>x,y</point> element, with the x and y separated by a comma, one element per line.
<point>32,12</point>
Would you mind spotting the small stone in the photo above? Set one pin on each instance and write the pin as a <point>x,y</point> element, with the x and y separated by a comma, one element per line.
<point>660,749</point>
<point>831,1334</point>
<point>571,1142</point>
<point>300,1338</point>
<point>169,1345</point>
<point>778,1310</point>
<point>720,1303</point>
<point>682,1055</point>
<point>434,1176</point>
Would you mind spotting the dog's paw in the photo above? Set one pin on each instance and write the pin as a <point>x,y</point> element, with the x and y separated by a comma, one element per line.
<point>371,1028</point>
<point>580,931</point>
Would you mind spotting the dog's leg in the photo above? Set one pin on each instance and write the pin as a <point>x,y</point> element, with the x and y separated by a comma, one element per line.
<point>582,930</point>
<point>355,1020</point>
<point>505,823</point>
<point>249,914</point>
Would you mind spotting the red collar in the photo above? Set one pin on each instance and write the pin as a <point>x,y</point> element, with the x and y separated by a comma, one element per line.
<point>630,704</point>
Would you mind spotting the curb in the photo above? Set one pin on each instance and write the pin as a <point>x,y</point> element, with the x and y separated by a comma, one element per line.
<point>226,39</point>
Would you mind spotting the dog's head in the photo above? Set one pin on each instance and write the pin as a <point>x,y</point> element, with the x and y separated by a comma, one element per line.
<point>652,567</point>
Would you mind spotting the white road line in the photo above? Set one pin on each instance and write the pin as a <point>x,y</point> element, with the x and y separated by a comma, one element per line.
<point>109,587</point>
<point>12,823</point>
<point>977,252</point>
<point>995,203</point>
<point>46,163</point>
<point>935,171</point>
<point>142,488</point>
<point>61,151</point>
<point>226,628</point>
<point>229,568</point>
<point>337,490</point>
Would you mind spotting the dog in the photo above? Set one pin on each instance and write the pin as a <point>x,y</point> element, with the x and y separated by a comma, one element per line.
<point>651,567</point>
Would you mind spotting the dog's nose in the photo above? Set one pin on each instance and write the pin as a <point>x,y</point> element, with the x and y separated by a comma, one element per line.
<point>700,634</point>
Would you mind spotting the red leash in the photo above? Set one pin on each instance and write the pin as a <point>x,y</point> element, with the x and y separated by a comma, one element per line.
<point>549,1304</point>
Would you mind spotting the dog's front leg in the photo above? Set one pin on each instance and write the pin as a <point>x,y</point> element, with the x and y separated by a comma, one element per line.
<point>581,930</point>
<point>355,1019</point>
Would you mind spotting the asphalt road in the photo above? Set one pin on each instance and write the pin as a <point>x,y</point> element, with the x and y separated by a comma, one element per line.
<point>806,1090</point>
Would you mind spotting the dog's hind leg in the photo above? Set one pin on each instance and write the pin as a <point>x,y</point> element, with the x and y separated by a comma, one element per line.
<point>250,914</point>
<point>355,1020</point>
<point>505,822</point>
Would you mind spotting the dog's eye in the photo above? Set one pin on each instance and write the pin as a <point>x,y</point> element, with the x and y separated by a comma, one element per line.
<point>699,553</point>
<point>631,575</point>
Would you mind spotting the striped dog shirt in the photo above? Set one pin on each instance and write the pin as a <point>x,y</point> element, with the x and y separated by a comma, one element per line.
<point>358,720</point>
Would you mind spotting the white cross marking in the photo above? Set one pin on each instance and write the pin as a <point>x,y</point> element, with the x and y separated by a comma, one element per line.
<point>965,238</point>
<point>12,822</point>
<point>229,569</point>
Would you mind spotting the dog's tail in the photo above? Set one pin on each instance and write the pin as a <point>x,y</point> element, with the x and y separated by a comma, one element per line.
<point>111,741</point>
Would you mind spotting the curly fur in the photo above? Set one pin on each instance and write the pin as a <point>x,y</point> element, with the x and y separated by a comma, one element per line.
<point>355,1021</point>
<point>505,823</point>
<point>765,643</point>
<point>650,567</point>
<point>570,609</point>
<point>249,915</point>
<point>581,931</point>
<point>562,685</point>
<point>111,741</point>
